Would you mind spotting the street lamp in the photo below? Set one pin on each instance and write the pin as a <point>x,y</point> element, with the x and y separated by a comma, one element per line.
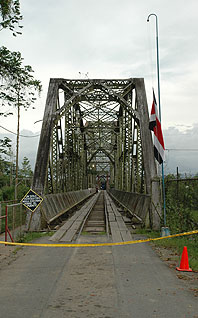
<point>157,49</point>
<point>165,229</point>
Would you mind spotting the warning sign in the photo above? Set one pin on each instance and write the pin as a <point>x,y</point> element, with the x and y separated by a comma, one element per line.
<point>31,200</point>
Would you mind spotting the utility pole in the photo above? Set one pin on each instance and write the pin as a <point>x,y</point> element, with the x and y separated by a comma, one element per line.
<point>17,147</point>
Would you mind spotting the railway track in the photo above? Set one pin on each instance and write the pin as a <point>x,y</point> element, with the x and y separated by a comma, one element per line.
<point>96,221</point>
<point>98,216</point>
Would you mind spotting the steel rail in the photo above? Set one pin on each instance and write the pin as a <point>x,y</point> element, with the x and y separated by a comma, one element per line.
<point>106,215</point>
<point>87,215</point>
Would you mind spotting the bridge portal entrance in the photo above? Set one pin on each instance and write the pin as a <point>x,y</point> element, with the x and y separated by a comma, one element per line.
<point>96,127</point>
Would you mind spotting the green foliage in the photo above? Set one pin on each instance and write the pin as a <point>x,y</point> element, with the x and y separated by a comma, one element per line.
<point>195,215</point>
<point>7,180</point>
<point>30,236</point>
<point>17,84</point>
<point>8,192</point>
<point>179,216</point>
<point>5,145</point>
<point>5,165</point>
<point>177,244</point>
<point>4,180</point>
<point>10,16</point>
<point>181,204</point>
<point>4,168</point>
<point>26,170</point>
<point>10,63</point>
<point>22,190</point>
<point>1,195</point>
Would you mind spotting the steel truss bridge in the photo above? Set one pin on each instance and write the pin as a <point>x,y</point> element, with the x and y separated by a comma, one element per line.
<point>96,131</point>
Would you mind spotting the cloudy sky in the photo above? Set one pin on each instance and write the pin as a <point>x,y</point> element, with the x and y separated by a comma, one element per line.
<point>112,39</point>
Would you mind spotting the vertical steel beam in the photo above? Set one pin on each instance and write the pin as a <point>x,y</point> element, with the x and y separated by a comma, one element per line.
<point>148,154</point>
<point>42,161</point>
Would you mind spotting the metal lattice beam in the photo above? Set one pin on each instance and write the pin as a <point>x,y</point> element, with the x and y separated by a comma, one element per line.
<point>91,128</point>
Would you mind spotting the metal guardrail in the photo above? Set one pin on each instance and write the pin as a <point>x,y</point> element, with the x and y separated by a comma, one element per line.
<point>2,209</point>
<point>136,204</point>
<point>13,220</point>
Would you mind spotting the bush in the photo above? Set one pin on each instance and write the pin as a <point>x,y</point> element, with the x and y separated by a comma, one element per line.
<point>1,195</point>
<point>22,190</point>
<point>7,193</point>
<point>181,203</point>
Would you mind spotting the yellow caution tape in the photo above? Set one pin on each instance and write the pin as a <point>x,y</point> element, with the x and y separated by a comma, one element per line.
<point>99,244</point>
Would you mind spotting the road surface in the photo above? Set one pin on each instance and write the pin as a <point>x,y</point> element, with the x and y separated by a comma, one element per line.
<point>101,282</point>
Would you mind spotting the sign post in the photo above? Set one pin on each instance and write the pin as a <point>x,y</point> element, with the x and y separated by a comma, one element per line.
<point>31,200</point>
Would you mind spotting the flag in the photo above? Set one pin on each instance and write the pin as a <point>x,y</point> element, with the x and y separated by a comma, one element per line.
<point>155,126</point>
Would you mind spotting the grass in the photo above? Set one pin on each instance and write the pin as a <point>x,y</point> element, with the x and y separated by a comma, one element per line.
<point>16,250</point>
<point>195,215</point>
<point>177,244</point>
<point>30,236</point>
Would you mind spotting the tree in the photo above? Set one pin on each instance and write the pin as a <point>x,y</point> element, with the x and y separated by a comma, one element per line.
<point>17,84</point>
<point>23,90</point>
<point>5,167</point>
<point>26,170</point>
<point>16,81</point>
<point>18,88</point>
<point>10,16</point>
<point>5,145</point>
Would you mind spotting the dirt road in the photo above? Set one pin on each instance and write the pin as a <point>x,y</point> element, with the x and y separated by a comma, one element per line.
<point>110,282</point>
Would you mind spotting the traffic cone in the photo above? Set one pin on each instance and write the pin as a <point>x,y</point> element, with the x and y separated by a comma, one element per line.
<point>184,266</point>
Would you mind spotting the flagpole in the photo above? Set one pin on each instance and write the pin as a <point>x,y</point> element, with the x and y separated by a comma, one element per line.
<point>158,80</point>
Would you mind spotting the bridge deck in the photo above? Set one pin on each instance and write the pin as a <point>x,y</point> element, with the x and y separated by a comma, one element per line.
<point>116,225</point>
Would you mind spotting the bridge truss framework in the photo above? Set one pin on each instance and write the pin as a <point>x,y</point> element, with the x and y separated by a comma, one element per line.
<point>96,127</point>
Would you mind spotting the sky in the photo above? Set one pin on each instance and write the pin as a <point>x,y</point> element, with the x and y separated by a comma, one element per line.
<point>112,39</point>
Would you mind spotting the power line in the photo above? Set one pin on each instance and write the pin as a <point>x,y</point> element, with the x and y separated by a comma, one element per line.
<point>19,134</point>
<point>177,149</point>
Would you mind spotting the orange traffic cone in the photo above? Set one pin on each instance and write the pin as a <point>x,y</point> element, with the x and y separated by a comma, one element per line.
<point>184,262</point>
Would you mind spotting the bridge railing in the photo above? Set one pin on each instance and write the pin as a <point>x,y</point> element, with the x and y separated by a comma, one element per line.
<point>55,205</point>
<point>136,204</point>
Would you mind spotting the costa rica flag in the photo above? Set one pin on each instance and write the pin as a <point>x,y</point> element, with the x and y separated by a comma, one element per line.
<point>155,126</point>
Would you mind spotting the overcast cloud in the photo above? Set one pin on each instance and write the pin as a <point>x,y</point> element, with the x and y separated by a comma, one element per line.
<point>112,39</point>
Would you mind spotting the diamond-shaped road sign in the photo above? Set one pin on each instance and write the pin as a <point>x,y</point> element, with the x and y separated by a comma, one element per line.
<point>31,200</point>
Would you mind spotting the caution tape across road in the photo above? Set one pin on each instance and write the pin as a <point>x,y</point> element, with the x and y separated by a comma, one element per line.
<point>98,244</point>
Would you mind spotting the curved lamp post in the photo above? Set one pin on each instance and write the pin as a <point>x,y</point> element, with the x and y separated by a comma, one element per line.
<point>157,49</point>
<point>158,81</point>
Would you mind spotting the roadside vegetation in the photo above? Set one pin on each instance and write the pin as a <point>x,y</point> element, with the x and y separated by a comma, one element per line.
<point>181,216</point>
<point>182,203</point>
<point>7,177</point>
<point>30,236</point>
<point>176,245</point>
<point>9,187</point>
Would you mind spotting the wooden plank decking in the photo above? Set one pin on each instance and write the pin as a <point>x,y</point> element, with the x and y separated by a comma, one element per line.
<point>118,229</point>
